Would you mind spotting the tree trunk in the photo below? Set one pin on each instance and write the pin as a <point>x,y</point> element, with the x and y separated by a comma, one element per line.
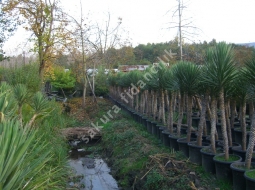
<point>213,123</point>
<point>170,114</point>
<point>243,123</point>
<point>202,120</point>
<point>251,109</point>
<point>163,107</point>
<point>232,110</point>
<point>189,117</point>
<point>249,150</point>
<point>155,106</point>
<point>227,110</point>
<point>180,114</point>
<point>223,124</point>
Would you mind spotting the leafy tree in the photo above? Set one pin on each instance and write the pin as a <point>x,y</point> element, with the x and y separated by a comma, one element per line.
<point>7,27</point>
<point>45,20</point>
<point>62,79</point>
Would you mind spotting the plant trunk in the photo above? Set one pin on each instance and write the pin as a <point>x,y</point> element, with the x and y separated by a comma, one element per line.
<point>180,114</point>
<point>243,124</point>
<point>213,123</point>
<point>232,109</point>
<point>227,110</point>
<point>163,107</point>
<point>170,114</point>
<point>202,120</point>
<point>223,124</point>
<point>251,143</point>
<point>189,118</point>
<point>198,104</point>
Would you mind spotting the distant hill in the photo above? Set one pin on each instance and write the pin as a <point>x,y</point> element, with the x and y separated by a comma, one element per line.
<point>251,44</point>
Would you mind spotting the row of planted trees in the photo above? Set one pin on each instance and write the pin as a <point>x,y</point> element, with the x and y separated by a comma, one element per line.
<point>218,89</point>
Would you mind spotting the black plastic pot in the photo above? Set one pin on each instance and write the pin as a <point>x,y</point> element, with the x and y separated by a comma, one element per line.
<point>166,140</point>
<point>183,145</point>
<point>250,182</point>
<point>173,142</point>
<point>194,152</point>
<point>237,150</point>
<point>195,121</point>
<point>218,127</point>
<point>144,122</point>
<point>238,136</point>
<point>234,144</point>
<point>158,130</point>
<point>222,168</point>
<point>184,129</point>
<point>207,159</point>
<point>154,128</point>
<point>238,169</point>
<point>161,129</point>
<point>149,126</point>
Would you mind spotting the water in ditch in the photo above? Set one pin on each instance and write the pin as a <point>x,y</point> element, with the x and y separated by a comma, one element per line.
<point>90,173</point>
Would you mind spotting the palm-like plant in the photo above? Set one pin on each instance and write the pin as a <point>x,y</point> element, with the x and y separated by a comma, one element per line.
<point>220,73</point>
<point>157,82</point>
<point>40,106</point>
<point>249,74</point>
<point>22,157</point>
<point>21,95</point>
<point>169,85</point>
<point>241,89</point>
<point>186,81</point>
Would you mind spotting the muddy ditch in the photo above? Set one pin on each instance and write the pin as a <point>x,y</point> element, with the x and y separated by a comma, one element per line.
<point>90,172</point>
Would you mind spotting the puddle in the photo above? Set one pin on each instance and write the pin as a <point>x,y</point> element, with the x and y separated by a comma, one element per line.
<point>93,173</point>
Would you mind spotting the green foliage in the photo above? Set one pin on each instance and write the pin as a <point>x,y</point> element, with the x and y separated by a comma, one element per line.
<point>26,74</point>
<point>154,180</point>
<point>26,160</point>
<point>7,27</point>
<point>19,159</point>
<point>101,88</point>
<point>220,66</point>
<point>62,79</point>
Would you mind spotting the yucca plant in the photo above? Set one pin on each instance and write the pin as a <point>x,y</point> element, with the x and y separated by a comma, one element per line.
<point>240,90</point>
<point>157,83</point>
<point>169,85</point>
<point>186,81</point>
<point>22,157</point>
<point>21,96</point>
<point>40,106</point>
<point>220,74</point>
<point>7,102</point>
<point>249,74</point>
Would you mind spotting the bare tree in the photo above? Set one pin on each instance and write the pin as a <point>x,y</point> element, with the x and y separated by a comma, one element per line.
<point>184,25</point>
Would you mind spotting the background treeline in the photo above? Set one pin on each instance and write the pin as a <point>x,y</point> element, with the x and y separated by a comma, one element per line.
<point>145,54</point>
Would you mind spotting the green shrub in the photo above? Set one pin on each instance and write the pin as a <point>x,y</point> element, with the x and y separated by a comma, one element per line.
<point>25,74</point>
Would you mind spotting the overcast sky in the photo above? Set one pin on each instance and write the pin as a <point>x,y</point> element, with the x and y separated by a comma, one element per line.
<point>148,21</point>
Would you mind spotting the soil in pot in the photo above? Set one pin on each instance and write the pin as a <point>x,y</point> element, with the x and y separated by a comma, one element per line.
<point>222,166</point>
<point>207,158</point>
<point>194,152</point>
<point>250,179</point>
<point>238,169</point>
